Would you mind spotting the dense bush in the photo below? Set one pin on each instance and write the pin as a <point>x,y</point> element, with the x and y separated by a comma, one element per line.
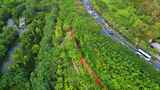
<point>136,20</point>
<point>7,39</point>
<point>49,52</point>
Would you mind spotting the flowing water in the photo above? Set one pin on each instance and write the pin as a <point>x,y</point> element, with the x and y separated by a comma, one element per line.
<point>20,29</point>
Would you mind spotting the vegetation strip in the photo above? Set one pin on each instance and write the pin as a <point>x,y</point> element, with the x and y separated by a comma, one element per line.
<point>86,66</point>
<point>92,73</point>
<point>48,58</point>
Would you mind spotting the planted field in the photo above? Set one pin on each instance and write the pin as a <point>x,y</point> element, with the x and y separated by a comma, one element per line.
<point>62,48</point>
<point>136,20</point>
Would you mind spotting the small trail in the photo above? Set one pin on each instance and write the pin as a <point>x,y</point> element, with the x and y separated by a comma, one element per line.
<point>76,67</point>
<point>92,73</point>
<point>86,65</point>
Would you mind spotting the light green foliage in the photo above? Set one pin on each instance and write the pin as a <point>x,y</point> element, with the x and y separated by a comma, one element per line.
<point>134,19</point>
<point>48,56</point>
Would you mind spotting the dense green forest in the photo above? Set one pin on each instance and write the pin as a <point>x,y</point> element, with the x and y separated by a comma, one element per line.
<point>138,20</point>
<point>59,34</point>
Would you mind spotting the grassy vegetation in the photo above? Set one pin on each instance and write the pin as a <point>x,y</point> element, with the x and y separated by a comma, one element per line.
<point>51,49</point>
<point>139,21</point>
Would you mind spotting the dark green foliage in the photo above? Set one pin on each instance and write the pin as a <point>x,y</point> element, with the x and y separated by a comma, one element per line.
<point>137,20</point>
<point>7,39</point>
<point>48,57</point>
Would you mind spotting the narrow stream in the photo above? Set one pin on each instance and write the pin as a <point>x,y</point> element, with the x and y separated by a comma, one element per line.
<point>20,29</point>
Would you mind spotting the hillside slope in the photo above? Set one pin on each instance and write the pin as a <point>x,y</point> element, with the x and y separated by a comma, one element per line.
<point>60,35</point>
